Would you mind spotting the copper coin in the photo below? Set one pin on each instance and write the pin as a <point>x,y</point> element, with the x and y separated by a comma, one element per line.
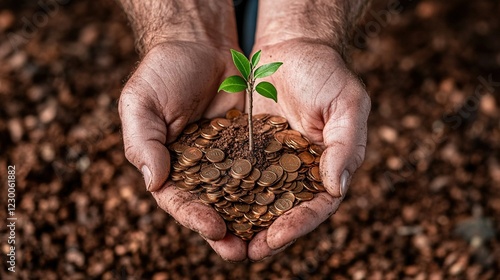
<point>183,186</point>
<point>215,155</point>
<point>299,141</point>
<point>177,147</point>
<point>232,182</point>
<point>268,216</point>
<point>243,227</point>
<point>277,120</point>
<point>233,114</point>
<point>193,170</point>
<point>319,186</point>
<point>215,125</point>
<point>259,209</point>
<point>251,216</point>
<point>247,185</point>
<point>304,196</point>
<point>274,212</point>
<point>288,195</point>
<point>241,168</point>
<point>290,162</point>
<point>192,154</point>
<point>265,128</point>
<point>233,212</point>
<point>273,147</point>
<point>209,133</point>
<point>248,199</point>
<point>261,117</point>
<point>308,186</point>
<point>223,122</point>
<point>209,174</point>
<point>316,150</point>
<point>306,157</point>
<point>253,177</point>
<point>276,169</point>
<point>190,128</point>
<point>204,198</point>
<point>202,142</point>
<point>298,188</point>
<point>240,207</point>
<point>267,178</point>
<point>315,174</point>
<point>283,205</point>
<point>292,176</point>
<point>224,165</point>
<point>264,198</point>
<point>176,176</point>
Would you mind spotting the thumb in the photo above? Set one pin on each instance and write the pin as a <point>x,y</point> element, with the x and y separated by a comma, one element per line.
<point>144,137</point>
<point>345,135</point>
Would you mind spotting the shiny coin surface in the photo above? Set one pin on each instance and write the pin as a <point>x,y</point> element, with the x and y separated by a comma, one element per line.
<point>243,227</point>
<point>304,196</point>
<point>215,155</point>
<point>290,162</point>
<point>264,198</point>
<point>241,168</point>
<point>233,114</point>
<point>192,154</point>
<point>267,178</point>
<point>306,157</point>
<point>283,205</point>
<point>273,147</point>
<point>209,174</point>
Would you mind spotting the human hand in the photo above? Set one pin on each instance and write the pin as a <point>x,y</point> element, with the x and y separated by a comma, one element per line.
<point>327,103</point>
<point>185,46</point>
<point>168,90</point>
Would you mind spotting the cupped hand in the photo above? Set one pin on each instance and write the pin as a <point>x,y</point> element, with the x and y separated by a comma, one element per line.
<point>175,84</point>
<point>326,102</point>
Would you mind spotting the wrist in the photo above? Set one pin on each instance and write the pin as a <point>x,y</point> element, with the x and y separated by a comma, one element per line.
<point>200,21</point>
<point>323,21</point>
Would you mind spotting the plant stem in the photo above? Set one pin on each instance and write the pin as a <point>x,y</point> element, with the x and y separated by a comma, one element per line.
<point>250,120</point>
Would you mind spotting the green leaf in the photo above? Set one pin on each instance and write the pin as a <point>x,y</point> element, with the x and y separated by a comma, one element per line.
<point>233,84</point>
<point>255,58</point>
<point>267,69</point>
<point>266,89</point>
<point>241,62</point>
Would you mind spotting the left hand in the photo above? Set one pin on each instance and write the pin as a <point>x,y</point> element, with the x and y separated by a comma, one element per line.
<point>326,102</point>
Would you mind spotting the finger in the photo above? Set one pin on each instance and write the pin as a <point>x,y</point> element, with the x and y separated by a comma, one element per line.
<point>230,248</point>
<point>259,250</point>
<point>144,136</point>
<point>299,221</point>
<point>344,135</point>
<point>185,208</point>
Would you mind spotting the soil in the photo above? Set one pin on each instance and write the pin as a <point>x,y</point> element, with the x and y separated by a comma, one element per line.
<point>234,141</point>
<point>424,205</point>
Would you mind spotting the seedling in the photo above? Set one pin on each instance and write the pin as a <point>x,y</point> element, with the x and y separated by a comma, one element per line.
<point>249,73</point>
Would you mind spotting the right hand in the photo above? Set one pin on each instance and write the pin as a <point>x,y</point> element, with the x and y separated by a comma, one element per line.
<point>175,84</point>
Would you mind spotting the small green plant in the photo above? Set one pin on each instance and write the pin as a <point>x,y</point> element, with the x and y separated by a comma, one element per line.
<point>249,73</point>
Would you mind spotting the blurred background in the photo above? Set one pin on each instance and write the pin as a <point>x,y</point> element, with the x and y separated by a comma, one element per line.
<point>424,205</point>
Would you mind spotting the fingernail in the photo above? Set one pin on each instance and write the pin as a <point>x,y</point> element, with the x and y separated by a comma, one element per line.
<point>344,180</point>
<point>147,176</point>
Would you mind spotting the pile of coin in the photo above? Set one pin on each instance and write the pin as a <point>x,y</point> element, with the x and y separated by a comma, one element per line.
<point>248,198</point>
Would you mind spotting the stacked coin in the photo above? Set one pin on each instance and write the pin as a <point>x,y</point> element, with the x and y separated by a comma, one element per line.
<point>248,198</point>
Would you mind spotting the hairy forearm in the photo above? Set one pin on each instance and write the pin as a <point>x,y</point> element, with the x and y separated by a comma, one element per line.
<point>202,21</point>
<point>325,21</point>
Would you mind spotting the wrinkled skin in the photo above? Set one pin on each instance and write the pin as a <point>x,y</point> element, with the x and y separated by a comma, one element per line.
<point>327,103</point>
<point>176,84</point>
